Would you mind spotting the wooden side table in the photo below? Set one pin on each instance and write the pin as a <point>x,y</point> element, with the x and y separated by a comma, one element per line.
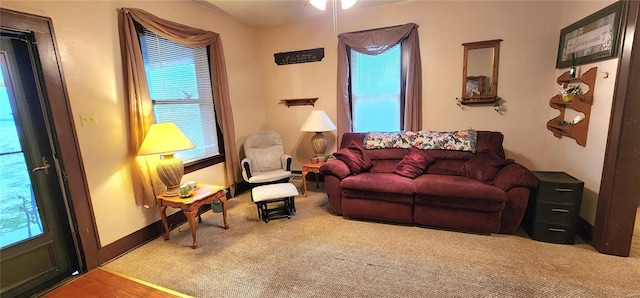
<point>310,167</point>
<point>190,206</point>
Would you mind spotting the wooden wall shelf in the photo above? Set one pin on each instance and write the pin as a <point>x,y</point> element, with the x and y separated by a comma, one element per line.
<point>299,102</point>
<point>582,104</point>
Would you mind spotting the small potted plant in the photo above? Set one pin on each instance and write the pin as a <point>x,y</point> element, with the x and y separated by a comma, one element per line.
<point>570,92</point>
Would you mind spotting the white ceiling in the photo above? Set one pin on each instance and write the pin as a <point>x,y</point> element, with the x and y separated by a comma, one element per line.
<point>264,13</point>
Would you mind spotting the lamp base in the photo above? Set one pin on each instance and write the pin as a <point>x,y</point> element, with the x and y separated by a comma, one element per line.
<point>319,143</point>
<point>171,192</point>
<point>170,170</point>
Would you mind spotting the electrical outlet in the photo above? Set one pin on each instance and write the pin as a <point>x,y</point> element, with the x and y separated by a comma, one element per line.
<point>88,120</point>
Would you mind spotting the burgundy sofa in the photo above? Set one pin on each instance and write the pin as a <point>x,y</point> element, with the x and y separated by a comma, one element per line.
<point>443,196</point>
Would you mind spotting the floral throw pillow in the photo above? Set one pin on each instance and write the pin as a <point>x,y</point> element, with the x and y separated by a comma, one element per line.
<point>354,157</point>
<point>414,163</point>
<point>483,166</point>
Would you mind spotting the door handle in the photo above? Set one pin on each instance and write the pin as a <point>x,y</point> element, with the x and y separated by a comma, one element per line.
<point>45,166</point>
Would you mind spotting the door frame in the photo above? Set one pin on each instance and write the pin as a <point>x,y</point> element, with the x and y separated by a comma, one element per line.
<point>78,202</point>
<point>619,192</point>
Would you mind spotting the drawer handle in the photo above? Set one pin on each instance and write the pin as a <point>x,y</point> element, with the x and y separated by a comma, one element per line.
<point>560,210</point>
<point>564,189</point>
<point>557,230</point>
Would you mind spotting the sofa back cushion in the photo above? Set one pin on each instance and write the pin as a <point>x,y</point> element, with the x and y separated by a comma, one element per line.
<point>448,162</point>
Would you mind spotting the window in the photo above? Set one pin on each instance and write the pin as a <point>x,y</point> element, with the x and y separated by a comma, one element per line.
<point>179,83</point>
<point>376,96</point>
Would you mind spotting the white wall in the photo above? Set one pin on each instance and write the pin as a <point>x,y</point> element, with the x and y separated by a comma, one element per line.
<point>89,44</point>
<point>585,163</point>
<point>530,31</point>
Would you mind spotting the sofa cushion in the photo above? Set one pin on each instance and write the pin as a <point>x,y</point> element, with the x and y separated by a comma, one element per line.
<point>379,183</point>
<point>414,163</point>
<point>458,192</point>
<point>484,166</point>
<point>354,157</point>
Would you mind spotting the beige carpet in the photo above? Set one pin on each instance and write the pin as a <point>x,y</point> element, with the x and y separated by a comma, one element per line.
<point>317,254</point>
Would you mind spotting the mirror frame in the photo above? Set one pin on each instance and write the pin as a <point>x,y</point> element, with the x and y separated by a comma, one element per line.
<point>478,99</point>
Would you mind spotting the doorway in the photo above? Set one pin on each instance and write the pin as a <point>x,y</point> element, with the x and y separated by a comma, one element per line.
<point>38,250</point>
<point>56,217</point>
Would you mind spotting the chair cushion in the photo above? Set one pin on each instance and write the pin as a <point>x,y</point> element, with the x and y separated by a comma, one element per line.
<point>273,191</point>
<point>262,177</point>
<point>264,149</point>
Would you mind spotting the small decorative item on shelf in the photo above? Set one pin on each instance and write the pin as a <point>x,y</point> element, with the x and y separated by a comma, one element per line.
<point>563,123</point>
<point>577,119</point>
<point>570,92</point>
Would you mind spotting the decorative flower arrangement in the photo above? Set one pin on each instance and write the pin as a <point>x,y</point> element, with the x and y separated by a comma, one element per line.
<point>459,103</point>
<point>498,105</point>
<point>570,89</point>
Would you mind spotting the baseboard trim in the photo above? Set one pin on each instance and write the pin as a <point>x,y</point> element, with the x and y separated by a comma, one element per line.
<point>242,187</point>
<point>585,230</point>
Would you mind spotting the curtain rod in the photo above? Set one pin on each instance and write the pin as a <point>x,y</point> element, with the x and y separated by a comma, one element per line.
<point>374,29</point>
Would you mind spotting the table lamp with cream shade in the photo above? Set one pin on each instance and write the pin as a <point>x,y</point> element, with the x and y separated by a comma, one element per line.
<point>165,139</point>
<point>317,122</point>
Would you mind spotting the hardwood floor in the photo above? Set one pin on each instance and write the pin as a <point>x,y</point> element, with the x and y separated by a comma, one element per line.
<point>106,283</point>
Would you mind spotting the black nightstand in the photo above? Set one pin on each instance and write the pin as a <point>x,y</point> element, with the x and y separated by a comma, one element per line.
<point>553,208</point>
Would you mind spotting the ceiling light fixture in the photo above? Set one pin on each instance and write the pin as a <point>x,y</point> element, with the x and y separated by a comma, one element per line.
<point>322,4</point>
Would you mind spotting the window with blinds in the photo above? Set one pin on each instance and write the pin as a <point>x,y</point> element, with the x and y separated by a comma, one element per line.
<point>180,87</point>
<point>376,96</point>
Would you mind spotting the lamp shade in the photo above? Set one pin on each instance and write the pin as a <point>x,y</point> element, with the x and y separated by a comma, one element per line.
<point>317,121</point>
<point>164,138</point>
<point>319,4</point>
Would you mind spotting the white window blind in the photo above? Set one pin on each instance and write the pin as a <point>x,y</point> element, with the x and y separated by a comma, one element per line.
<point>376,90</point>
<point>180,86</point>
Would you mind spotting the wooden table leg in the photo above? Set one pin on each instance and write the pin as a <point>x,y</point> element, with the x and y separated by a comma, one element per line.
<point>191,217</point>
<point>165,224</point>
<point>304,181</point>
<point>223,199</point>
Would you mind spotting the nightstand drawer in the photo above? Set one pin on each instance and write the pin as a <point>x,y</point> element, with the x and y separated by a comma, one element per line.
<point>559,193</point>
<point>557,213</point>
<point>553,233</point>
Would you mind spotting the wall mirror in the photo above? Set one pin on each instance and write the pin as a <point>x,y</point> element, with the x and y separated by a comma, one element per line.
<point>480,71</point>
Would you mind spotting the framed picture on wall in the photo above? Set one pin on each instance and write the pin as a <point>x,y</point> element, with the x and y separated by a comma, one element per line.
<point>591,39</point>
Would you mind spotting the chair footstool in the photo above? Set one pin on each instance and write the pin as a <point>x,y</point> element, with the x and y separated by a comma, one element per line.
<point>275,193</point>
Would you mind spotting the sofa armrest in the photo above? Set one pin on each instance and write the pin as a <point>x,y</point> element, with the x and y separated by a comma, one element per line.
<point>335,167</point>
<point>286,162</point>
<point>514,175</point>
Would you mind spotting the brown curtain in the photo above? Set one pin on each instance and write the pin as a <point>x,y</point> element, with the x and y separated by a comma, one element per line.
<point>140,106</point>
<point>374,42</point>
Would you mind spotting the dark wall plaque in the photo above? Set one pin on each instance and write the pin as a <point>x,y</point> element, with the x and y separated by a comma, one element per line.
<point>302,56</point>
